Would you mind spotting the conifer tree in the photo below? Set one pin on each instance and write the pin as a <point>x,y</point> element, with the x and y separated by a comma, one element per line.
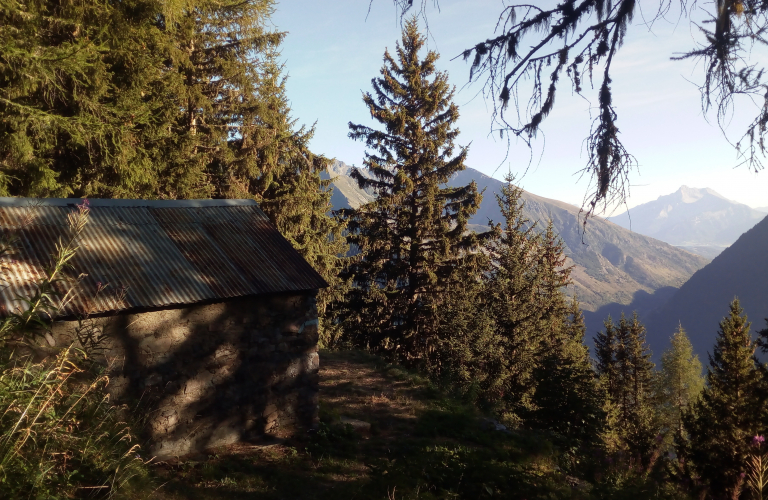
<point>470,354</point>
<point>678,383</point>
<point>566,398</point>
<point>413,236</point>
<point>640,415</point>
<point>606,347</point>
<point>605,354</point>
<point>724,419</point>
<point>215,67</point>
<point>626,371</point>
<point>516,291</point>
<point>82,101</point>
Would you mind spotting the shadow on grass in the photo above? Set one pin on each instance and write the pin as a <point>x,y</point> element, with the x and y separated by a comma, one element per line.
<point>422,444</point>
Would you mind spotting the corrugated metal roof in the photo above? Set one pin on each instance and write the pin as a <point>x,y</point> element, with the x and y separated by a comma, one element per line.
<point>151,253</point>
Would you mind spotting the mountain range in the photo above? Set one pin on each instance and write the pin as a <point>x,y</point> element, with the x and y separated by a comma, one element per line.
<point>698,220</point>
<point>741,270</point>
<point>614,269</point>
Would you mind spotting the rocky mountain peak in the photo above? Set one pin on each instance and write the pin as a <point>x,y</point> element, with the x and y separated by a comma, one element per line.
<point>688,194</point>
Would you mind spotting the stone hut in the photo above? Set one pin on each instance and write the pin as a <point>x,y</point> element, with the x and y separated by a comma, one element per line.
<point>203,313</point>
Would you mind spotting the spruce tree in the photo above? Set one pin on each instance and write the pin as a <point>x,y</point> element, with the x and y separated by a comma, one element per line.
<point>606,348</point>
<point>640,417</point>
<point>215,67</point>
<point>82,103</point>
<point>414,235</point>
<point>626,372</point>
<point>678,384</point>
<point>724,419</point>
<point>566,399</point>
<point>470,354</point>
<point>605,354</point>
<point>516,291</point>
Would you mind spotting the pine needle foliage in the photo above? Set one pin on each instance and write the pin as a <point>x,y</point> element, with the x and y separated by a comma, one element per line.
<point>525,292</point>
<point>275,166</point>
<point>214,69</point>
<point>567,399</point>
<point>723,421</point>
<point>678,384</point>
<point>413,237</point>
<point>81,98</point>
<point>626,372</point>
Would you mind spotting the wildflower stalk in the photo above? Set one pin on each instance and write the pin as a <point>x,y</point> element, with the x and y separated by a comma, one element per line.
<point>37,311</point>
<point>757,476</point>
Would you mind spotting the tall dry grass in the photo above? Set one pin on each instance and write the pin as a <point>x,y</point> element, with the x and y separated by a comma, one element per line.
<point>60,437</point>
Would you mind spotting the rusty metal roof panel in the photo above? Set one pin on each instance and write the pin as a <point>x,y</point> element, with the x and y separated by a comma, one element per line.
<point>149,253</point>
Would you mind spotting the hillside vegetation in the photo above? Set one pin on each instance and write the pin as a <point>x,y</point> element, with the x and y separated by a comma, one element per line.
<point>431,327</point>
<point>614,269</point>
<point>420,444</point>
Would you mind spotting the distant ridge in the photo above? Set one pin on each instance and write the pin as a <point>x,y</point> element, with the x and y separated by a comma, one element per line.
<point>699,220</point>
<point>741,270</point>
<point>614,269</point>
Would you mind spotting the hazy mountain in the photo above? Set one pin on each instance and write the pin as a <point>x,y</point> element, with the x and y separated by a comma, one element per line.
<point>741,270</point>
<point>698,220</point>
<point>762,209</point>
<point>614,269</point>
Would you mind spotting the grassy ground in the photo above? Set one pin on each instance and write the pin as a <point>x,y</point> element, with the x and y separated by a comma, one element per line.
<point>421,444</point>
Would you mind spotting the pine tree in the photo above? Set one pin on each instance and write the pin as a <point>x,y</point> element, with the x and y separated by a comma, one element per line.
<point>605,354</point>
<point>566,398</point>
<point>81,98</point>
<point>641,421</point>
<point>606,348</point>
<point>723,420</point>
<point>413,236</point>
<point>517,292</point>
<point>678,384</point>
<point>470,354</point>
<point>215,67</point>
<point>626,372</point>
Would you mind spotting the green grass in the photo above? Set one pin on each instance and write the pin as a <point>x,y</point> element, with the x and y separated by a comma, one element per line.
<point>422,444</point>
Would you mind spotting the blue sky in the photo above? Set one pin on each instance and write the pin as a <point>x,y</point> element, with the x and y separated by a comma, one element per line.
<point>332,52</point>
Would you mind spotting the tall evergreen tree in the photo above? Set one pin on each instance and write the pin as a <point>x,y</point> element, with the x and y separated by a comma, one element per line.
<point>626,371</point>
<point>727,415</point>
<point>413,236</point>
<point>215,67</point>
<point>678,384</point>
<point>566,399</point>
<point>605,354</point>
<point>82,98</point>
<point>518,295</point>
<point>470,354</point>
<point>284,177</point>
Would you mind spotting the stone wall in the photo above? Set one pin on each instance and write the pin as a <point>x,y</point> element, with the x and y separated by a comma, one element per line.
<point>214,374</point>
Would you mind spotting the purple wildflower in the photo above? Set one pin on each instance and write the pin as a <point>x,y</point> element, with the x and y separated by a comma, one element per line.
<point>758,440</point>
